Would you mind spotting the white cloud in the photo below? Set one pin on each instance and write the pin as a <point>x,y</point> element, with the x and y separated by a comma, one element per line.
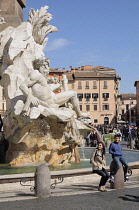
<point>57,44</point>
<point>87,59</point>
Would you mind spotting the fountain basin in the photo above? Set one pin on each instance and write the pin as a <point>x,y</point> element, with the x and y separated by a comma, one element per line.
<point>130,155</point>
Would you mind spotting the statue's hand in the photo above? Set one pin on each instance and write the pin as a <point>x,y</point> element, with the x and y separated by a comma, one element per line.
<point>61,83</point>
<point>35,101</point>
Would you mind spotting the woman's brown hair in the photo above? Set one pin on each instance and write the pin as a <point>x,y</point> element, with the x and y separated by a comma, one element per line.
<point>103,149</point>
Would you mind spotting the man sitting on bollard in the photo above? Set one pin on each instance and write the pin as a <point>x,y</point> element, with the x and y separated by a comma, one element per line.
<point>116,150</point>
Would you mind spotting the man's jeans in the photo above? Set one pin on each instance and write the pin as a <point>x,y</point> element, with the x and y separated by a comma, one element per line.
<point>118,160</point>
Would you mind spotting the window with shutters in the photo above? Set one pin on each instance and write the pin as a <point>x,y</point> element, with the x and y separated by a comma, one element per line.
<point>105,85</point>
<point>95,107</point>
<point>105,107</point>
<point>79,85</point>
<point>87,107</point>
<point>105,96</point>
<point>95,96</point>
<point>80,96</point>
<point>94,84</point>
<point>87,85</point>
<point>87,96</point>
<point>72,85</point>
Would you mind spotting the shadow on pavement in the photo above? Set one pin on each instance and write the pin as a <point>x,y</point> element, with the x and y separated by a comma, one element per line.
<point>133,198</point>
<point>24,194</point>
<point>80,187</point>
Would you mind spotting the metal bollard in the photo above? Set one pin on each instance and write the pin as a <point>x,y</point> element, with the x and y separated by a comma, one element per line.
<point>42,181</point>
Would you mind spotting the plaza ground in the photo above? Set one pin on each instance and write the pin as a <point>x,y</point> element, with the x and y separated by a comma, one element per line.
<point>82,196</point>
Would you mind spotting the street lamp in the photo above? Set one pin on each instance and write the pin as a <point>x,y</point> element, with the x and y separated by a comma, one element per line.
<point>130,110</point>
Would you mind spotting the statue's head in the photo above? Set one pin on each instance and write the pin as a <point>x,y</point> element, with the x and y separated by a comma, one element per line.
<point>42,65</point>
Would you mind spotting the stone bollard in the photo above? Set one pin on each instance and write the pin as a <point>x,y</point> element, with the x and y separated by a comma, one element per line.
<point>108,142</point>
<point>132,143</point>
<point>118,177</point>
<point>42,181</point>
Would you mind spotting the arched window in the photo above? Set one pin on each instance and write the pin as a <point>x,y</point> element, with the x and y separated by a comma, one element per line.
<point>106,120</point>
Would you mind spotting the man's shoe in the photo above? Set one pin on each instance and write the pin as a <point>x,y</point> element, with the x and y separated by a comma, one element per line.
<point>112,178</point>
<point>126,178</point>
<point>101,189</point>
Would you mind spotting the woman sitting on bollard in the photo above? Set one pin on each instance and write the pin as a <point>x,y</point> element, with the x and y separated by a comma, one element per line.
<point>98,160</point>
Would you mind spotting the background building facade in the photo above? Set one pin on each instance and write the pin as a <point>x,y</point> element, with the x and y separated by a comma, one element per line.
<point>137,97</point>
<point>128,107</point>
<point>97,90</point>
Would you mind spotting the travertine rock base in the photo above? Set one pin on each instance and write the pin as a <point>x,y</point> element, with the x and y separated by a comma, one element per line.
<point>43,141</point>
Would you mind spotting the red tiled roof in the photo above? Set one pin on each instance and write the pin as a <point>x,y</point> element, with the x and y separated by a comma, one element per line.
<point>128,96</point>
<point>57,70</point>
<point>90,74</point>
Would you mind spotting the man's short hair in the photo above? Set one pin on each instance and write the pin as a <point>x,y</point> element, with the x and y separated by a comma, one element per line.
<point>117,135</point>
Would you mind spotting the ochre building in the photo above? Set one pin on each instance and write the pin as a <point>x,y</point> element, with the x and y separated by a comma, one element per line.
<point>97,90</point>
<point>128,107</point>
<point>136,84</point>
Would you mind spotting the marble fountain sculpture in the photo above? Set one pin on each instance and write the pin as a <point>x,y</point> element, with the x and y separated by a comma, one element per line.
<point>39,124</point>
<point>2,21</point>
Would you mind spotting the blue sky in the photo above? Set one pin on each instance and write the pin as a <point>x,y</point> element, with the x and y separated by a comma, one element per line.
<point>94,32</point>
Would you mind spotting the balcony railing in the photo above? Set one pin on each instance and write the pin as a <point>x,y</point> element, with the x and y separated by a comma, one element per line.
<point>105,99</point>
<point>86,87</point>
<point>80,87</point>
<point>105,87</point>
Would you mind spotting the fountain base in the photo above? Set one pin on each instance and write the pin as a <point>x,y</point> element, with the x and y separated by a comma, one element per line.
<point>43,141</point>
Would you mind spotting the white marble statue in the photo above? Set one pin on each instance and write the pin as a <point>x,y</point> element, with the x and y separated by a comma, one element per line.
<point>37,120</point>
<point>2,21</point>
<point>37,81</point>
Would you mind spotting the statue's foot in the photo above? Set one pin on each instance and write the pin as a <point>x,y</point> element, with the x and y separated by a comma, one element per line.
<point>84,117</point>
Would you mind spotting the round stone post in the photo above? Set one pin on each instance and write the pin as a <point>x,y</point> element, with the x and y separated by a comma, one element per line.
<point>42,181</point>
<point>132,143</point>
<point>76,152</point>
<point>118,177</point>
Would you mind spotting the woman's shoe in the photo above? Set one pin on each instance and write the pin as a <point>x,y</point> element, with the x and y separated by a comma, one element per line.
<point>104,189</point>
<point>101,189</point>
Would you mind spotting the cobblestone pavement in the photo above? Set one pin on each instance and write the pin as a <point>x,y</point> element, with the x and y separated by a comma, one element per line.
<point>82,196</point>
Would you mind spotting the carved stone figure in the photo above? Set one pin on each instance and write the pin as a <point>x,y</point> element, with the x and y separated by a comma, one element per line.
<point>37,81</point>
<point>38,124</point>
<point>1,20</point>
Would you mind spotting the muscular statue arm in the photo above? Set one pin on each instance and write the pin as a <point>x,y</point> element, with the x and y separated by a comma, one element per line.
<point>55,86</point>
<point>31,80</point>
